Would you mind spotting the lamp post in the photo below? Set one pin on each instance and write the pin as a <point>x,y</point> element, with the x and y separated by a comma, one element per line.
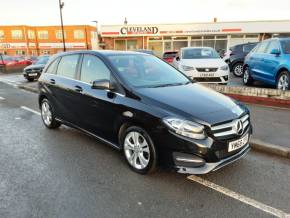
<point>61,4</point>
<point>97,31</point>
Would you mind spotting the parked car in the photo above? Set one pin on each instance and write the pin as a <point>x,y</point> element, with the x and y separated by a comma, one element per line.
<point>237,55</point>
<point>169,56</point>
<point>3,61</point>
<point>146,51</point>
<point>139,104</point>
<point>202,64</point>
<point>33,71</point>
<point>269,62</point>
<point>15,63</point>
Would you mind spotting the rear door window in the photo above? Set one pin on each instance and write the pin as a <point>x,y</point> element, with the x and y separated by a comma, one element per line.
<point>67,66</point>
<point>262,48</point>
<point>52,67</point>
<point>93,69</point>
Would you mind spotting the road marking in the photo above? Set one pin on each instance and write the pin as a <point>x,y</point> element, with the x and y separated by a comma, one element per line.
<point>31,110</point>
<point>1,98</point>
<point>239,197</point>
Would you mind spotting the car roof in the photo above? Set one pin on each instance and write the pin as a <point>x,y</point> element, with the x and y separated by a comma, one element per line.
<point>101,52</point>
<point>186,48</point>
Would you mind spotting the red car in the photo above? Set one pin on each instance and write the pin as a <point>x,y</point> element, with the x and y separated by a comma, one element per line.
<point>8,63</point>
<point>168,56</point>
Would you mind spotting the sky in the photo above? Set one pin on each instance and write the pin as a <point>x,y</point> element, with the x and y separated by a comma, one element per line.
<point>46,12</point>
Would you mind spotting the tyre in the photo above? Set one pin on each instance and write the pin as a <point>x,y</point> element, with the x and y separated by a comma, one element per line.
<point>48,116</point>
<point>238,69</point>
<point>30,79</point>
<point>283,81</point>
<point>247,78</point>
<point>139,150</point>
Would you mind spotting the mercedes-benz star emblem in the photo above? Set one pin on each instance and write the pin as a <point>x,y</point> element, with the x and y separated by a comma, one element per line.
<point>238,127</point>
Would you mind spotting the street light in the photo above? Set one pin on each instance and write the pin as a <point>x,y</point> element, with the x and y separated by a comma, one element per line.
<point>97,31</point>
<point>61,5</point>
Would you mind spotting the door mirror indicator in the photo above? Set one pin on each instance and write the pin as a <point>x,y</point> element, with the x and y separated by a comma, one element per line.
<point>101,84</point>
<point>275,51</point>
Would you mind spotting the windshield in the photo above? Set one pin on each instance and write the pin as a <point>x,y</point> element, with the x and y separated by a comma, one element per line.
<point>199,53</point>
<point>42,60</point>
<point>285,44</point>
<point>146,71</point>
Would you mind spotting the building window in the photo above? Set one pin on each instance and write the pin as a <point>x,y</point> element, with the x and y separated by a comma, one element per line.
<point>31,34</point>
<point>1,34</point>
<point>16,34</point>
<point>79,34</point>
<point>43,34</point>
<point>20,52</point>
<point>58,34</point>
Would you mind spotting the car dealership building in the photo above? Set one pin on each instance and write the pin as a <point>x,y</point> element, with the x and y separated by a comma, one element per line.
<point>167,37</point>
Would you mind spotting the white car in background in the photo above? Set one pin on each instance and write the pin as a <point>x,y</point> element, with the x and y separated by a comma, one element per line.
<point>203,64</point>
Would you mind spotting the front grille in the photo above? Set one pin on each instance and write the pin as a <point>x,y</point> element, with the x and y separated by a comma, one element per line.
<point>230,128</point>
<point>207,79</point>
<point>206,69</point>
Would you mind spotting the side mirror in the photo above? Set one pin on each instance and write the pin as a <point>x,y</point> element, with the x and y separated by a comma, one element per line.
<point>275,51</point>
<point>101,84</point>
<point>177,58</point>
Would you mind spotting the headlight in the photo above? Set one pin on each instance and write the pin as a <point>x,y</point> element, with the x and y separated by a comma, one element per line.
<point>187,68</point>
<point>185,128</point>
<point>225,67</point>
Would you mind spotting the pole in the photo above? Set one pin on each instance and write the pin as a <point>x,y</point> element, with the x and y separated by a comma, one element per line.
<point>97,31</point>
<point>61,4</point>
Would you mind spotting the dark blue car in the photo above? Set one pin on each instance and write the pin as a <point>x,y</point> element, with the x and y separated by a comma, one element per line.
<point>269,62</point>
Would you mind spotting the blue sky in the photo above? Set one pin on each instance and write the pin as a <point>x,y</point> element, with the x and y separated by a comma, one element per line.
<point>45,12</point>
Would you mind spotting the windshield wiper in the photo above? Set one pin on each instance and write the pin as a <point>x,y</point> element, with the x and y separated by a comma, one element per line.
<point>169,84</point>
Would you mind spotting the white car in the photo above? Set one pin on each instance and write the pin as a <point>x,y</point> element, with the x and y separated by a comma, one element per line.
<point>203,64</point>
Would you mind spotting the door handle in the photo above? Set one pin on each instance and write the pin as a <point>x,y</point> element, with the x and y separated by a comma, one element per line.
<point>52,81</point>
<point>78,89</point>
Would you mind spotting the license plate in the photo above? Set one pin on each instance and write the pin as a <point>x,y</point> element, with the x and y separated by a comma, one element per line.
<point>207,74</point>
<point>238,143</point>
<point>32,74</point>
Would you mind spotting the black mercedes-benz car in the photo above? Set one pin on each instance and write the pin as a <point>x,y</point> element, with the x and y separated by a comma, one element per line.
<point>144,107</point>
<point>33,72</point>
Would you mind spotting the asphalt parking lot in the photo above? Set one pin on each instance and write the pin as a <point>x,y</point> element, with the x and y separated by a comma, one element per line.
<point>64,173</point>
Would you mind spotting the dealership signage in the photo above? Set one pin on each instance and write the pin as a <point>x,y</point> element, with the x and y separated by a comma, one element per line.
<point>139,30</point>
<point>13,45</point>
<point>251,27</point>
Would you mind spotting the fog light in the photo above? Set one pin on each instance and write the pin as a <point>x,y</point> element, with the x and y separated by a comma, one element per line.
<point>187,160</point>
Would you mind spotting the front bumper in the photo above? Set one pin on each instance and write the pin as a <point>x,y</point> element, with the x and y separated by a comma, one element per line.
<point>31,74</point>
<point>208,167</point>
<point>192,156</point>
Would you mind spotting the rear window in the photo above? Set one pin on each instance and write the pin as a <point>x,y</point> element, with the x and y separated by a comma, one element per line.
<point>249,47</point>
<point>169,54</point>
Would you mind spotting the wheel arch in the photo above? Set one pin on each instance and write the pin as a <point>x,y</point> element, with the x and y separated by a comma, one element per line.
<point>40,98</point>
<point>125,125</point>
<point>280,71</point>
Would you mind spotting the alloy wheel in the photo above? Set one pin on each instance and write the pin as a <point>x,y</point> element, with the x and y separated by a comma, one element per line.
<point>283,83</point>
<point>46,113</point>
<point>246,76</point>
<point>136,150</point>
<point>238,70</point>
